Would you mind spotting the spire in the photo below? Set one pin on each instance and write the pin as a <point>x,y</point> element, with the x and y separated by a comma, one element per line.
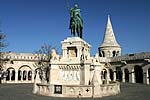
<point>109,37</point>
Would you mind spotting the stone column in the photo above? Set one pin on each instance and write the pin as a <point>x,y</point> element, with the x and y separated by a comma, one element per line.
<point>79,51</point>
<point>81,75</point>
<point>4,80</point>
<point>27,77</point>
<point>65,53</point>
<point>114,78</point>
<point>16,76</point>
<point>100,78</point>
<point>147,77</point>
<point>21,76</point>
<point>108,77</point>
<point>10,75</point>
<point>123,76</point>
<point>133,76</point>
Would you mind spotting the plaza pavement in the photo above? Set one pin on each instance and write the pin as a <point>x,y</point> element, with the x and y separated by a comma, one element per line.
<point>24,92</point>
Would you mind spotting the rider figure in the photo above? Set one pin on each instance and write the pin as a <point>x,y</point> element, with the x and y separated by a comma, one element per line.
<point>76,22</point>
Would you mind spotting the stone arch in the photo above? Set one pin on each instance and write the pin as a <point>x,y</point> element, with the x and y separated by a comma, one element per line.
<point>111,74</point>
<point>138,71</point>
<point>10,74</point>
<point>118,74</point>
<point>25,73</point>
<point>126,72</point>
<point>23,66</point>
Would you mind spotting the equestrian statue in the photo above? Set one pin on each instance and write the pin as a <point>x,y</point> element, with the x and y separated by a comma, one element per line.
<point>76,22</point>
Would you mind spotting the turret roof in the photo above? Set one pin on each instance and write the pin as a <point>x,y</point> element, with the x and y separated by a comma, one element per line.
<point>109,39</point>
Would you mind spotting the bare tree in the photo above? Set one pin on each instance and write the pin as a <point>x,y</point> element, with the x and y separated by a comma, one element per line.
<point>43,64</point>
<point>2,46</point>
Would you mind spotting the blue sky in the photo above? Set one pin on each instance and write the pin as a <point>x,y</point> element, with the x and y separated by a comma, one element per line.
<point>28,24</point>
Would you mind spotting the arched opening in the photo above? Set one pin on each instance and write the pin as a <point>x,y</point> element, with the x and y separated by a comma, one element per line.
<point>19,75</point>
<point>111,74</point>
<point>29,75</point>
<point>100,53</point>
<point>117,54</point>
<point>105,74</point>
<point>8,75</point>
<point>114,53</point>
<point>13,75</point>
<point>149,74</point>
<point>35,73</point>
<point>24,75</point>
<point>118,74</point>
<point>126,71</point>
<point>103,54</point>
<point>101,75</point>
<point>138,71</point>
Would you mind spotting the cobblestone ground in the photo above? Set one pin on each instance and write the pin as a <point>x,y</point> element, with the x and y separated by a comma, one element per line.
<point>24,92</point>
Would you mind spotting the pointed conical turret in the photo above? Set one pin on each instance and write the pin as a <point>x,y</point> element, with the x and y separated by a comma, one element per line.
<point>109,37</point>
<point>109,46</point>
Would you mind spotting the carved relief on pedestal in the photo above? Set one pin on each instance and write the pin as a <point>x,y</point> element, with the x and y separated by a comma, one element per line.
<point>72,51</point>
<point>69,74</point>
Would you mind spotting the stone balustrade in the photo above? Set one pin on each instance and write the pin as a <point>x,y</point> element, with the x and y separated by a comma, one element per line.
<point>21,56</point>
<point>127,57</point>
<point>79,91</point>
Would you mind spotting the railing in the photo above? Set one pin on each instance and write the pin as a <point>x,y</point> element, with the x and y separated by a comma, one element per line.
<point>136,56</point>
<point>21,56</point>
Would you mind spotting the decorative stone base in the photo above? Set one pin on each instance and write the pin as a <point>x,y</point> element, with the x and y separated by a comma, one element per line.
<point>77,91</point>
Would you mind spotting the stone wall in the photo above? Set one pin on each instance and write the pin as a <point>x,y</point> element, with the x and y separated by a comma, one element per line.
<point>78,91</point>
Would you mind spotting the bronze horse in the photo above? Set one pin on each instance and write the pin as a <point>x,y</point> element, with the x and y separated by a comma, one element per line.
<point>76,22</point>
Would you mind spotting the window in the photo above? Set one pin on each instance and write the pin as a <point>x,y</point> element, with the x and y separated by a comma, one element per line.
<point>19,75</point>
